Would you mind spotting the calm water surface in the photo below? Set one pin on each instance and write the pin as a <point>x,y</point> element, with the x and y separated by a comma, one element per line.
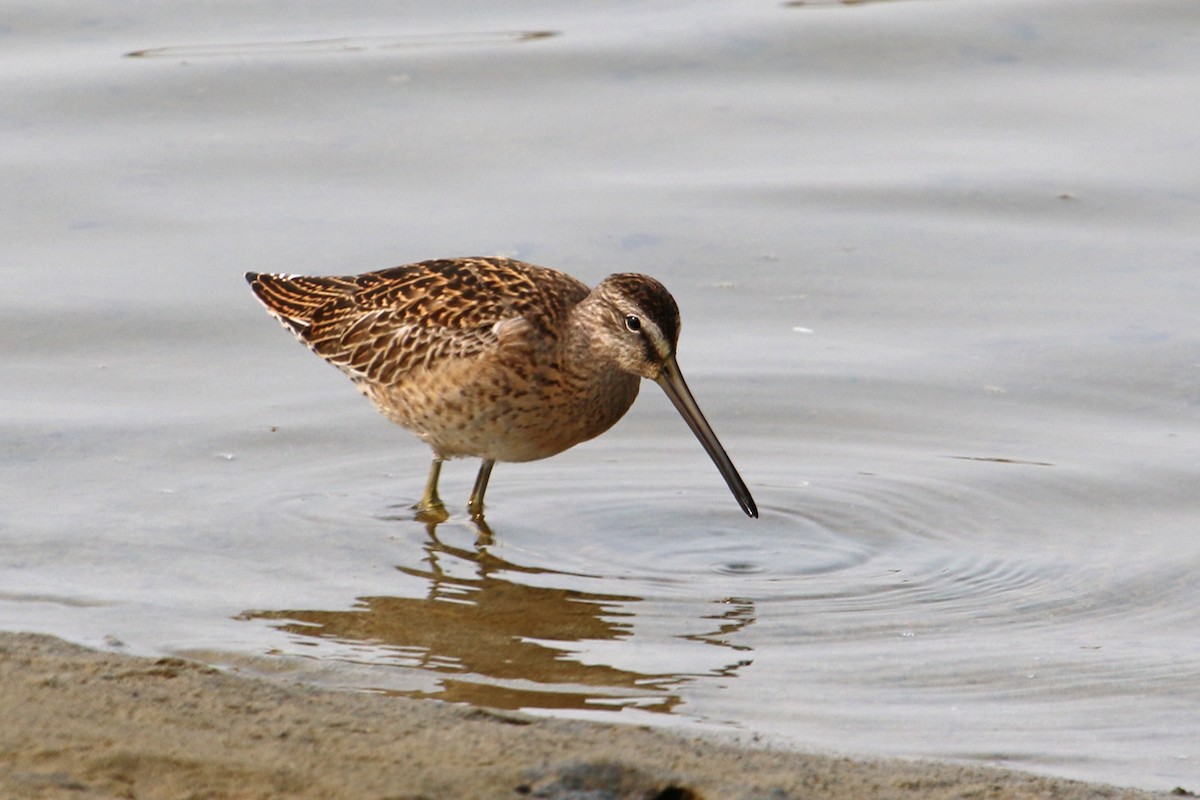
<point>938,266</point>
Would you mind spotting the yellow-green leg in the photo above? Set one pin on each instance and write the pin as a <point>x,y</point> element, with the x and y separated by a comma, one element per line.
<point>475,504</point>
<point>431,509</point>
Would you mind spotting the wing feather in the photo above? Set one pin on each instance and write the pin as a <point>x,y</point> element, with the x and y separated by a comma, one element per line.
<point>379,326</point>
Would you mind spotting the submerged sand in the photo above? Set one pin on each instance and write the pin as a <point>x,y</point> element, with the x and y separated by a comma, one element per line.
<point>76,723</point>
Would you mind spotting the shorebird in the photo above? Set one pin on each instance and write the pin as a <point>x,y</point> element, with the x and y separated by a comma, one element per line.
<point>494,358</point>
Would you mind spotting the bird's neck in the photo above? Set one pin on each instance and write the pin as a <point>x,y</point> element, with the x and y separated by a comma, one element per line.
<point>588,369</point>
<point>579,345</point>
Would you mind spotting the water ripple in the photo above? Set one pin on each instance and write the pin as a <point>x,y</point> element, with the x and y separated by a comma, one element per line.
<point>941,586</point>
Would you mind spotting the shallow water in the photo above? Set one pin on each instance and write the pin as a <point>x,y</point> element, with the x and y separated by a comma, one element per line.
<point>938,270</point>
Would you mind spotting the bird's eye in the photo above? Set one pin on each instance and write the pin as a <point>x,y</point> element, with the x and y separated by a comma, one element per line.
<point>633,323</point>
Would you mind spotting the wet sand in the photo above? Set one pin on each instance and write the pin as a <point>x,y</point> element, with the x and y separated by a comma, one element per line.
<point>84,724</point>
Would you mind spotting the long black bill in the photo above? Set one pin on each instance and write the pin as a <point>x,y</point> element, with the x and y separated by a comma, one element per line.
<point>671,380</point>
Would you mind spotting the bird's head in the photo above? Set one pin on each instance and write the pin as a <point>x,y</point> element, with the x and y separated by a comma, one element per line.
<point>639,324</point>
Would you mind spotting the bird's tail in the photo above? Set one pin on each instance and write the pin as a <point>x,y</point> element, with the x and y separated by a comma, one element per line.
<point>295,299</point>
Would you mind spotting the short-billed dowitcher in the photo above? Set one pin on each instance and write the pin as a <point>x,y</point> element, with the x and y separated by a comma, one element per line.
<point>494,358</point>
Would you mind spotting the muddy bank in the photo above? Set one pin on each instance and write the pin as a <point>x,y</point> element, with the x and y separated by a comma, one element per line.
<point>84,724</point>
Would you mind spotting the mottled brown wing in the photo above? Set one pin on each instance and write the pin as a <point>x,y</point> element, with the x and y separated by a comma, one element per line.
<point>380,325</point>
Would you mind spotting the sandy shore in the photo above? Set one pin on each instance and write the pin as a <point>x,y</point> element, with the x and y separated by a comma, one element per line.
<point>75,723</point>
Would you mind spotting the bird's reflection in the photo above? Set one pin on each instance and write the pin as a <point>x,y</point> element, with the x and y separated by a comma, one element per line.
<point>501,642</point>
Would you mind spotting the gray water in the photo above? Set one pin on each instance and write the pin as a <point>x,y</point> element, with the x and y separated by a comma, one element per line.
<point>938,268</point>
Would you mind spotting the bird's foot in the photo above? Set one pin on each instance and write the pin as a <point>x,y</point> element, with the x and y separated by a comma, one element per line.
<point>483,532</point>
<point>475,509</point>
<point>433,512</point>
